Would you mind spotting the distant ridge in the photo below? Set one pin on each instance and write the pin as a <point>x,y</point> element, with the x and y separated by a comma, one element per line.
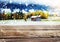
<point>23,6</point>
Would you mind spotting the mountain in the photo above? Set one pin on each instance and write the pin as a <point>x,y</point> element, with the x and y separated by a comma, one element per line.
<point>13,6</point>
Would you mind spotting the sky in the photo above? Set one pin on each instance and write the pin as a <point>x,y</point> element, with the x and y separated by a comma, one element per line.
<point>52,3</point>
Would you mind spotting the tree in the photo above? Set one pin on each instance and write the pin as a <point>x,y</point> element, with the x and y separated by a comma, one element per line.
<point>44,15</point>
<point>21,15</point>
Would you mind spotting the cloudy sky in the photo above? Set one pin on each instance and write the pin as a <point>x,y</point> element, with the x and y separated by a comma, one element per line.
<point>54,3</point>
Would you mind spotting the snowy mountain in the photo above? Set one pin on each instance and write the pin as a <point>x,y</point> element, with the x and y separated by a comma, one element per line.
<point>25,7</point>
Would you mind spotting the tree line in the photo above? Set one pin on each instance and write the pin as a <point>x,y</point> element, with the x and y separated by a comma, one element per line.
<point>21,15</point>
